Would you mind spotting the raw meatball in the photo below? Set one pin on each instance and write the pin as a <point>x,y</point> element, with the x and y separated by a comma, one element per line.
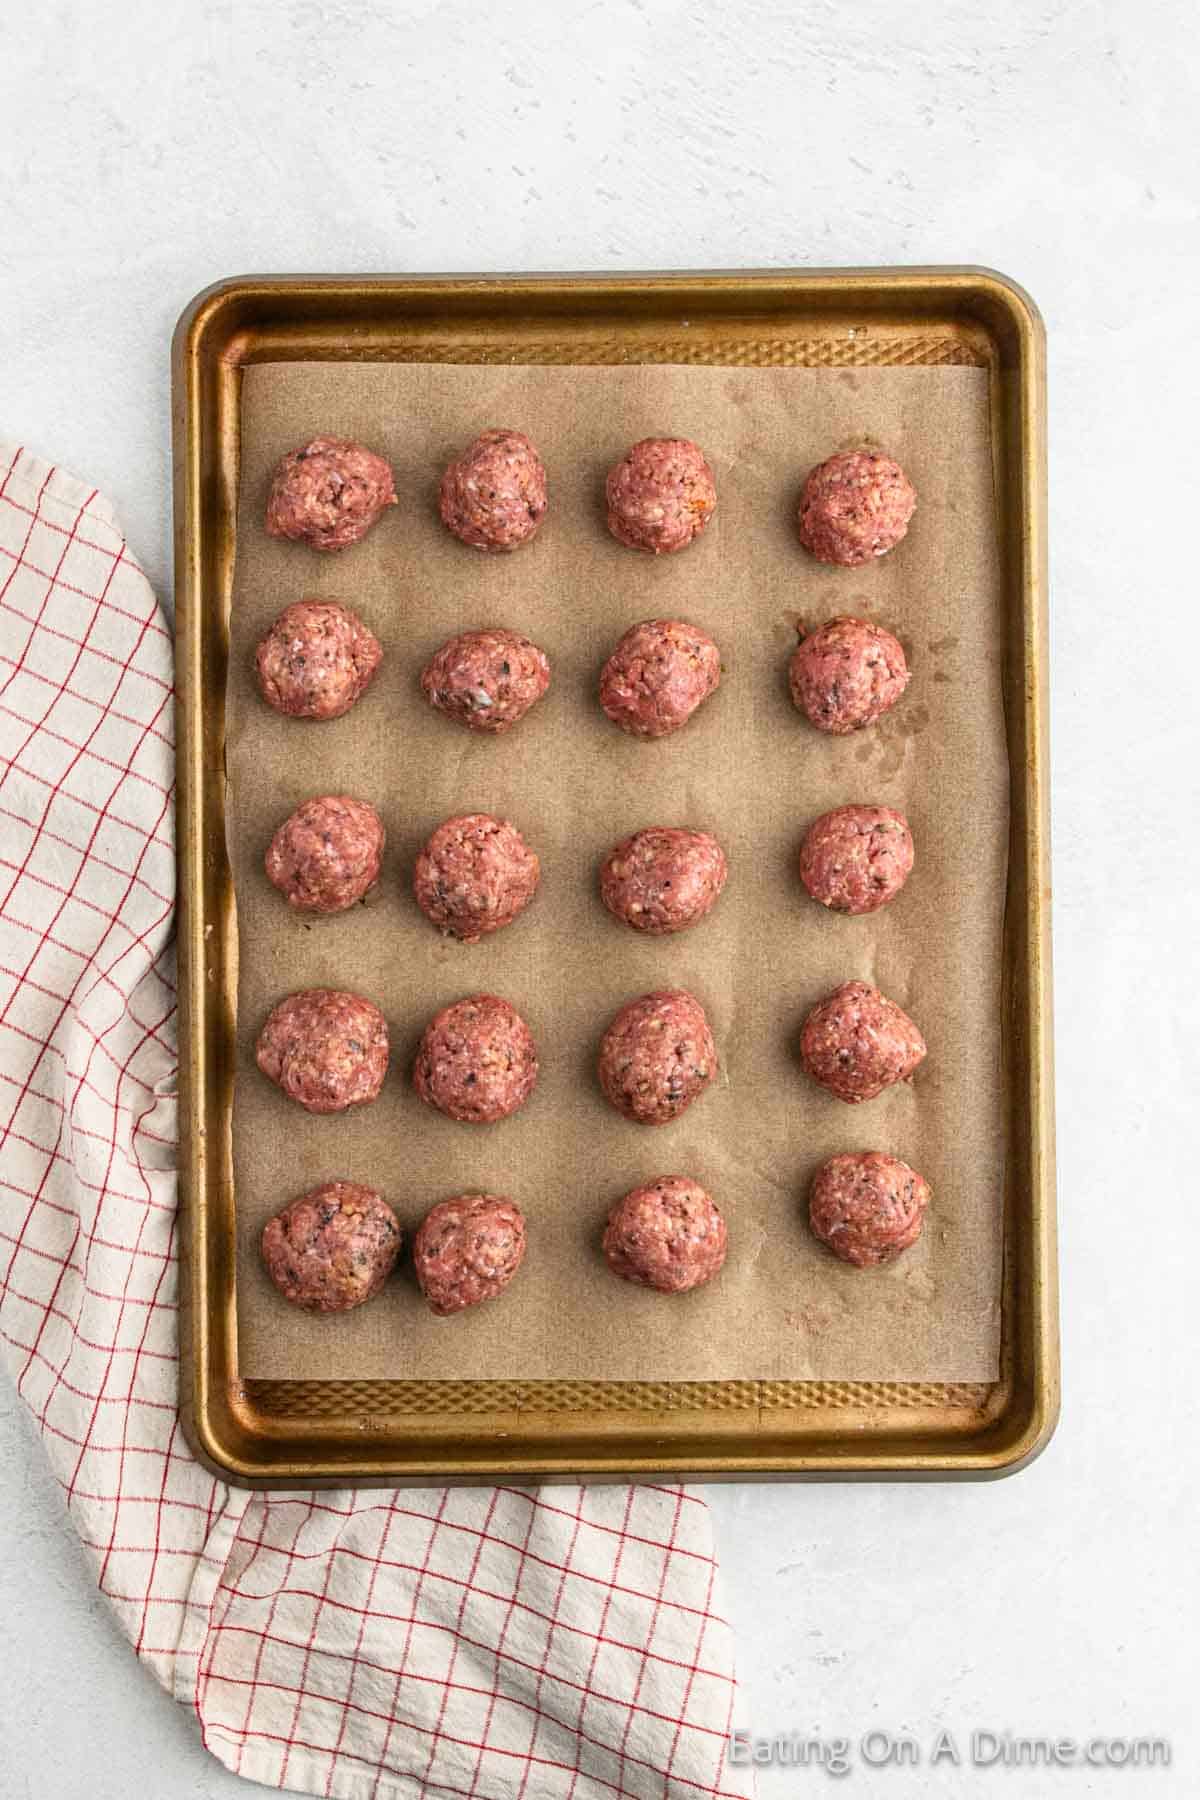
<point>328,494</point>
<point>468,1249</point>
<point>855,507</point>
<point>668,1236</point>
<point>867,1207</point>
<point>494,496</point>
<point>847,674</point>
<point>487,680</point>
<point>477,1061</point>
<point>333,1248</point>
<point>662,880</point>
<point>657,676</point>
<point>657,1056</point>
<point>857,858</point>
<point>328,854</point>
<point>856,1043</point>
<point>660,495</point>
<point>326,1049</point>
<point>474,875</point>
<point>316,659</point>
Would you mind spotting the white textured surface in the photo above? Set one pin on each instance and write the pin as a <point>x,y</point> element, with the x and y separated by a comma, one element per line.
<point>152,147</point>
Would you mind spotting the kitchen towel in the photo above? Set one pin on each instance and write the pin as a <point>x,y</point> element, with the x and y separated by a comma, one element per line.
<point>529,1643</point>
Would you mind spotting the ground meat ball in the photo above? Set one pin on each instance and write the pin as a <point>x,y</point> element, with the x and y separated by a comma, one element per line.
<point>867,1207</point>
<point>855,507</point>
<point>474,875</point>
<point>657,1056</point>
<point>328,494</point>
<point>857,858</point>
<point>657,676</point>
<point>662,880</point>
<point>487,680</point>
<point>316,659</point>
<point>856,1043</point>
<point>333,1248</point>
<point>477,1061</point>
<point>327,854</point>
<point>326,1049</point>
<point>494,496</point>
<point>847,674</point>
<point>660,495</point>
<point>468,1249</point>
<point>668,1236</point>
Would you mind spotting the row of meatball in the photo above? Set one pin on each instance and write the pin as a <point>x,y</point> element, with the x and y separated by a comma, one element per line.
<point>317,658</point>
<point>476,873</point>
<point>660,497</point>
<point>334,1248</point>
<point>328,1050</point>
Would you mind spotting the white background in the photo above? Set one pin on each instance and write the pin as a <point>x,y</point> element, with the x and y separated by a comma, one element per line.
<point>148,147</point>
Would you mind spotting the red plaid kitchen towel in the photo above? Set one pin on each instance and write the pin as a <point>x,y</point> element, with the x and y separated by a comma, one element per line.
<point>498,1642</point>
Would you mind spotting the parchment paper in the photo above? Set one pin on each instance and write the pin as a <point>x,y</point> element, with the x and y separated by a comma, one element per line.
<point>748,768</point>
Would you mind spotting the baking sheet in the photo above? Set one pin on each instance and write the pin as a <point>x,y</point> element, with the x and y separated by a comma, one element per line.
<point>748,768</point>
